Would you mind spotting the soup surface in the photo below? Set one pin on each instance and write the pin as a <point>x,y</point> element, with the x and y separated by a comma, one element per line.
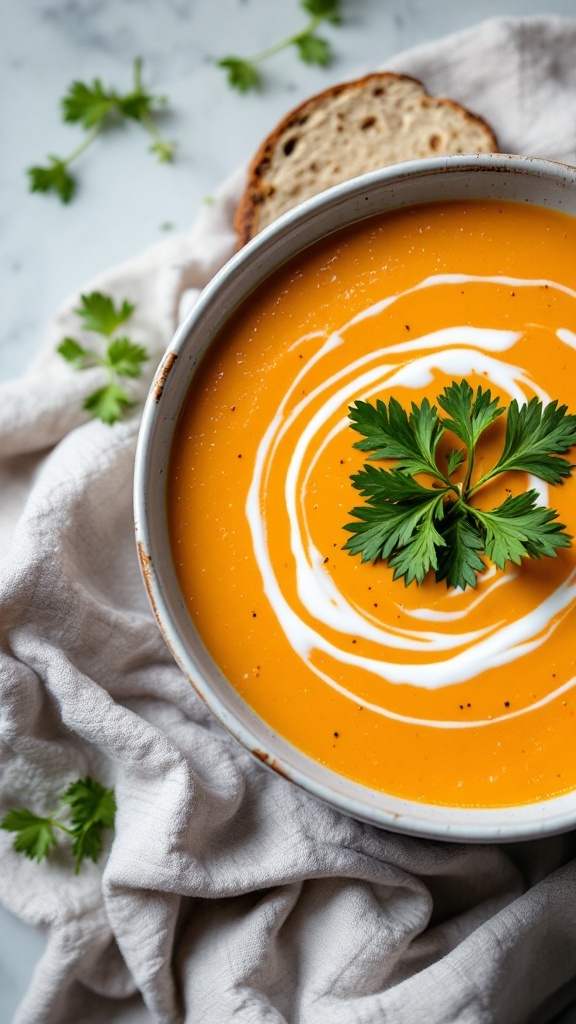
<point>465,698</point>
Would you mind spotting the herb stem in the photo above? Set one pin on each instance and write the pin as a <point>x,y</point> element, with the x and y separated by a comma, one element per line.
<point>57,824</point>
<point>137,67</point>
<point>435,471</point>
<point>82,147</point>
<point>285,43</point>
<point>164,148</point>
<point>480,483</point>
<point>466,485</point>
<point>104,362</point>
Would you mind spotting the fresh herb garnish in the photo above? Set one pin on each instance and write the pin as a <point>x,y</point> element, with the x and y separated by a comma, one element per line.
<point>96,108</point>
<point>243,73</point>
<point>91,809</point>
<point>418,526</point>
<point>122,357</point>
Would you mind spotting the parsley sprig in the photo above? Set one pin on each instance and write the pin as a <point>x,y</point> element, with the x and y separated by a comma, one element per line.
<point>122,357</point>
<point>89,808</point>
<point>243,73</point>
<point>418,525</point>
<point>96,108</point>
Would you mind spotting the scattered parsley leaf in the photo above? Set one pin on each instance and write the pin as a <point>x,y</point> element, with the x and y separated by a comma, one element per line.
<point>312,49</point>
<point>90,802</point>
<point>431,525</point>
<point>99,314</point>
<point>92,809</point>
<point>95,108</point>
<point>75,354</point>
<point>122,357</point>
<point>125,357</point>
<point>108,403</point>
<point>137,105</point>
<point>242,72</point>
<point>242,75</point>
<point>34,835</point>
<point>328,10</point>
<point>88,105</point>
<point>53,178</point>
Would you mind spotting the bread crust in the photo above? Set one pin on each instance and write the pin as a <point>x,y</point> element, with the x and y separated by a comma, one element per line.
<point>246,221</point>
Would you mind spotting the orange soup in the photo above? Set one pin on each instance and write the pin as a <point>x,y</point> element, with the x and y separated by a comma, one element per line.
<point>455,697</point>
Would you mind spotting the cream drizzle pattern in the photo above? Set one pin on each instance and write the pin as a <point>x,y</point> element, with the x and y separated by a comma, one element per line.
<point>458,351</point>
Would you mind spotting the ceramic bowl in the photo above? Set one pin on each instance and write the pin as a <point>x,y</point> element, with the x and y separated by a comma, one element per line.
<point>483,176</point>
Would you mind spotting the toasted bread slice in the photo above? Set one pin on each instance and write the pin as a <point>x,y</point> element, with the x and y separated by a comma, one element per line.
<point>354,127</point>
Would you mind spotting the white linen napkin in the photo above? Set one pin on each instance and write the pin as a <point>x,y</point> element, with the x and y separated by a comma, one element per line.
<point>228,894</point>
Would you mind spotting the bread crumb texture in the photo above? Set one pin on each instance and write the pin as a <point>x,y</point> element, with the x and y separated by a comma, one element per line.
<point>352,128</point>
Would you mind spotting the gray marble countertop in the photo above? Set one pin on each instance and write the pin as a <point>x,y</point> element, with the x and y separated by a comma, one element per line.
<point>125,199</point>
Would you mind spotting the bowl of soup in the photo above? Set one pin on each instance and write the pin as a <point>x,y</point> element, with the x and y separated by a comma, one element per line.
<point>429,710</point>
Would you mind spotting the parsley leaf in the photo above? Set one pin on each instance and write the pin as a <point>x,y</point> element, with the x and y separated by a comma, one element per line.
<point>94,108</point>
<point>391,434</point>
<point>136,105</point>
<point>242,75</point>
<point>535,435</point>
<point>519,528</point>
<point>53,178</point>
<point>125,357</point>
<point>92,809</point>
<point>414,560</point>
<point>419,526</point>
<point>454,458</point>
<point>392,485</point>
<point>468,415</point>
<point>98,313</point>
<point>386,525</point>
<point>34,835</point>
<point>459,560</point>
<point>75,354</point>
<point>242,72</point>
<point>108,403</point>
<point>328,10</point>
<point>88,105</point>
<point>122,357</point>
<point>312,49</point>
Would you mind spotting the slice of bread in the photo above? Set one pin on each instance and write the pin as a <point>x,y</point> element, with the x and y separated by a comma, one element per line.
<point>351,128</point>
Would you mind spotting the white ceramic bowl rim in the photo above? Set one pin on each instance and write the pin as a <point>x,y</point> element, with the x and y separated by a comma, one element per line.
<point>482,176</point>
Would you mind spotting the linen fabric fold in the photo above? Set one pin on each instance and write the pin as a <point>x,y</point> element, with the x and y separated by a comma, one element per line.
<point>227,894</point>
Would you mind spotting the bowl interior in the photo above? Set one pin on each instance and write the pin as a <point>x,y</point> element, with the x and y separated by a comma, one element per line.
<point>477,177</point>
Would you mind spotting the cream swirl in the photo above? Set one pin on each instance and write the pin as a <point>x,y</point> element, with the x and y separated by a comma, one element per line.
<point>455,653</point>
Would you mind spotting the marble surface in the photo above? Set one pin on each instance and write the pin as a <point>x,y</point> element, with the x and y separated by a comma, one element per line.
<point>125,199</point>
